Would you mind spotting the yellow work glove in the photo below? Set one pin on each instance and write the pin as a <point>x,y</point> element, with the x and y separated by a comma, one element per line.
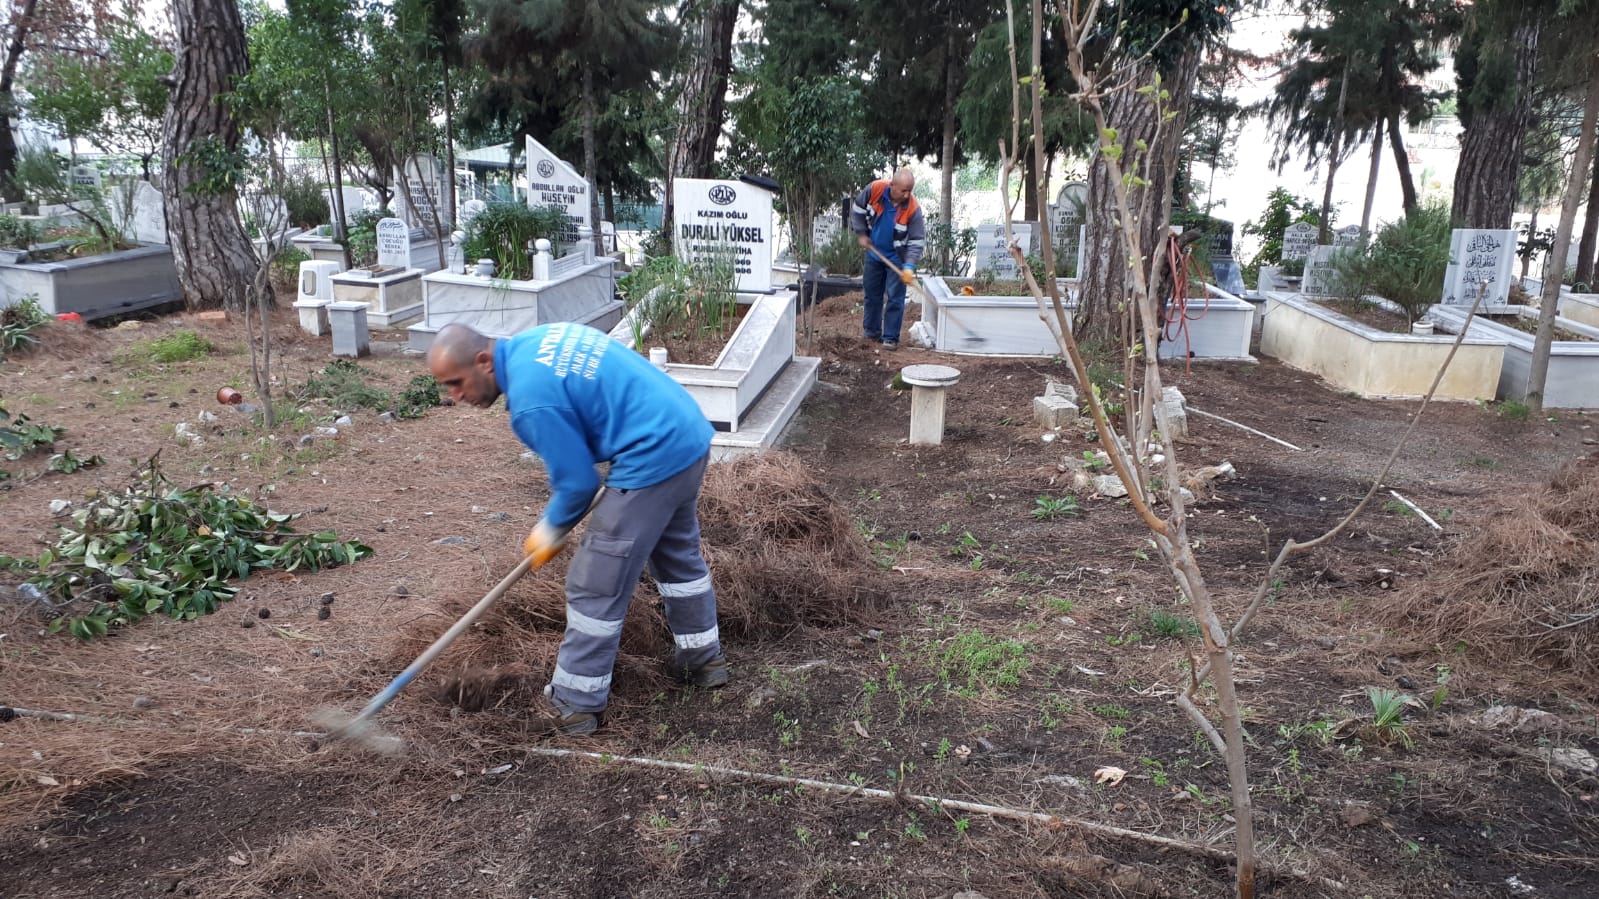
<point>908,275</point>
<point>544,543</point>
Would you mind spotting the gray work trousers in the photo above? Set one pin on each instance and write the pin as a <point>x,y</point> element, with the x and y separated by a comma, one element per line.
<point>660,525</point>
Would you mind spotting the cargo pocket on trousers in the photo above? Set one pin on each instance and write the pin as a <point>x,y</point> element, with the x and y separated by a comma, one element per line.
<point>598,566</point>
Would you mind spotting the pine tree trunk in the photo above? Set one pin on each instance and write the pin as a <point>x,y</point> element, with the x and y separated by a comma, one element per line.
<point>1371,182</point>
<point>1103,283</point>
<point>1590,231</point>
<point>9,192</point>
<point>1407,185</point>
<point>946,156</point>
<point>451,203</point>
<point>215,261</point>
<point>703,103</point>
<point>591,112</point>
<point>1335,156</point>
<point>1538,372</point>
<point>1490,148</point>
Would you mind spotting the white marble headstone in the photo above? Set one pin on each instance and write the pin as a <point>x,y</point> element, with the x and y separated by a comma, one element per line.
<point>1347,236</point>
<point>711,217</point>
<point>394,243</point>
<point>1475,255</point>
<point>991,253</point>
<point>825,228</point>
<point>470,210</point>
<point>1319,271</point>
<point>1298,240</point>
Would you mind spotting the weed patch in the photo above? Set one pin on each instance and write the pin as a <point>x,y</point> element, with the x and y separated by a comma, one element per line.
<point>179,346</point>
<point>975,662</point>
<point>345,385</point>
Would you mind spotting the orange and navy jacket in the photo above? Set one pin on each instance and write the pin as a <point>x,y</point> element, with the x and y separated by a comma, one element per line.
<point>906,240</point>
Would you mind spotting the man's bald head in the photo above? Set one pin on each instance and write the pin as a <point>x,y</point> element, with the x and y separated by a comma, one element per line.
<point>462,360</point>
<point>901,186</point>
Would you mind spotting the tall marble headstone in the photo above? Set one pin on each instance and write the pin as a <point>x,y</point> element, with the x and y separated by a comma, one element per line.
<point>394,243</point>
<point>1347,236</point>
<point>711,217</point>
<point>422,202</point>
<point>1477,255</point>
<point>1298,240</point>
<point>552,182</point>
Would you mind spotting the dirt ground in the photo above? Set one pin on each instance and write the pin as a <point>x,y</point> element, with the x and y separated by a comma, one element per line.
<point>1013,655</point>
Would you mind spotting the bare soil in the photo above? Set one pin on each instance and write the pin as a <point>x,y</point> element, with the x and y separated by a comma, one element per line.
<point>1012,656</point>
<point>1370,315</point>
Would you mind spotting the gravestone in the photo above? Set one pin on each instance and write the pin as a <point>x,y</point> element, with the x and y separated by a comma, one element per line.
<point>711,217</point>
<point>1228,275</point>
<point>85,176</point>
<point>394,243</point>
<point>552,182</point>
<point>991,254</point>
<point>824,229</point>
<point>148,222</point>
<point>1319,271</point>
<point>422,201</point>
<point>1219,238</point>
<point>470,210</point>
<point>1475,255</point>
<point>1068,220</point>
<point>1347,236</point>
<point>1298,240</point>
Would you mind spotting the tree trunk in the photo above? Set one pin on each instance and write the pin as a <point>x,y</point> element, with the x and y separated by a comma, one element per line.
<point>215,261</point>
<point>1335,152</point>
<point>451,204</point>
<point>341,222</point>
<point>1532,231</point>
<point>1100,313</point>
<point>590,165</point>
<point>1590,231</point>
<point>1538,373</point>
<point>704,98</point>
<point>946,156</point>
<point>20,22</point>
<point>1371,182</point>
<point>1490,148</point>
<point>1030,187</point>
<point>1407,186</point>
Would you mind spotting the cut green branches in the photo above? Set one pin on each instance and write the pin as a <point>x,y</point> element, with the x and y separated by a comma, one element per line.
<point>152,549</point>
<point>18,322</point>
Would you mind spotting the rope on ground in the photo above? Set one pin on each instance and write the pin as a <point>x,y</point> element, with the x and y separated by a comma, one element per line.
<point>977,808</point>
<point>1243,427</point>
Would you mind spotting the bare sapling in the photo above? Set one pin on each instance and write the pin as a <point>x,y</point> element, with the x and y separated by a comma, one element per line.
<point>1211,683</point>
<point>271,216</point>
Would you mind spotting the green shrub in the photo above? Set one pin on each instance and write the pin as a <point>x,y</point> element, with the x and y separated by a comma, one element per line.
<point>363,237</point>
<point>1405,264</point>
<point>842,255</point>
<point>504,231</point>
<point>306,200</point>
<point>286,266</point>
<point>672,296</point>
<point>1282,209</point>
<point>17,232</point>
<point>17,324</point>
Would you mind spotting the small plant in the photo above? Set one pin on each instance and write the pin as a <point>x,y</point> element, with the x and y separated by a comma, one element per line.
<point>1049,508</point>
<point>1388,708</point>
<point>18,322</point>
<point>1157,771</point>
<point>1514,410</point>
<point>179,346</point>
<point>1171,625</point>
<point>1111,710</point>
<point>1057,606</point>
<point>18,233</point>
<point>19,436</point>
<point>1093,461</point>
<point>943,750</point>
<point>788,730</point>
<point>975,662</point>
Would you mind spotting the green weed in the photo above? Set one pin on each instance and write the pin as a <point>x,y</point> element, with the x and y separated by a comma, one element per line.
<point>975,662</point>
<point>179,346</point>
<point>1171,625</point>
<point>1049,508</point>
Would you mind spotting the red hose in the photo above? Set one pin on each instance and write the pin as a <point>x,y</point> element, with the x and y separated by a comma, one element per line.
<point>1177,318</point>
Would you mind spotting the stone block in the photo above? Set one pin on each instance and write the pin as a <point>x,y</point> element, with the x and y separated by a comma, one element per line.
<point>1054,411</point>
<point>351,336</point>
<point>1176,406</point>
<point>1061,389</point>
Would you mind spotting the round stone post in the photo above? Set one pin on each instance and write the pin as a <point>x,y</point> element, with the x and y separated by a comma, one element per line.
<point>928,384</point>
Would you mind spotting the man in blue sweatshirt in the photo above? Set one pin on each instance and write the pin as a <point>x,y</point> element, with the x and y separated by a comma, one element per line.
<point>886,217</point>
<point>577,398</point>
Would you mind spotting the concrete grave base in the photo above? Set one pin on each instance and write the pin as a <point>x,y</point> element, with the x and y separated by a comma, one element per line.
<point>1372,363</point>
<point>96,286</point>
<point>1573,379</point>
<point>393,299</point>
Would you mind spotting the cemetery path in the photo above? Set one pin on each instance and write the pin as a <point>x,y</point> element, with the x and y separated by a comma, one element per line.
<point>1014,654</point>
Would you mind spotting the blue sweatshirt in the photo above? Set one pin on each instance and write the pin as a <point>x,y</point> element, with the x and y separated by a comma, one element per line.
<point>578,398</point>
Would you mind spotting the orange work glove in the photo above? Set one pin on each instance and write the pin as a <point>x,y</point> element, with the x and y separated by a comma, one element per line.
<point>544,543</point>
<point>908,275</point>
